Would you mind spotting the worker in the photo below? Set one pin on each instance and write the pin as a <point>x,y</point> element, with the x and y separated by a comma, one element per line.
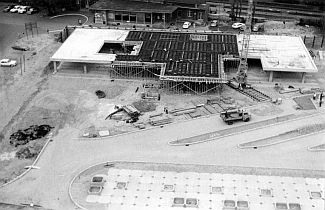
<point>314,96</point>
<point>321,99</point>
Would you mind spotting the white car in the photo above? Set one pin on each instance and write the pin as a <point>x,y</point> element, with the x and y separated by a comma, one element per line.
<point>238,25</point>
<point>214,23</point>
<point>15,9</point>
<point>8,62</point>
<point>186,25</point>
<point>22,9</point>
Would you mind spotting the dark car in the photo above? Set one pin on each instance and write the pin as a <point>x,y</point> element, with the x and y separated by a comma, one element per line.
<point>8,8</point>
<point>33,10</point>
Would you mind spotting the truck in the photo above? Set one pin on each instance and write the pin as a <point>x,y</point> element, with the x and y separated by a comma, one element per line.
<point>232,115</point>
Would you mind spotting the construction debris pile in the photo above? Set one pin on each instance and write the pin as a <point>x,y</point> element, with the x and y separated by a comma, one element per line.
<point>22,137</point>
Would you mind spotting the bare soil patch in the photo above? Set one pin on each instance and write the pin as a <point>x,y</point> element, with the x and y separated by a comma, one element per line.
<point>305,102</point>
<point>145,106</point>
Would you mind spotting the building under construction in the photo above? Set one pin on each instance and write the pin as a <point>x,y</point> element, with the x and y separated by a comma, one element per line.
<point>179,61</point>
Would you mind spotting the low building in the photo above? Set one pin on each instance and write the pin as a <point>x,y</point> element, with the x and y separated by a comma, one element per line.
<point>148,12</point>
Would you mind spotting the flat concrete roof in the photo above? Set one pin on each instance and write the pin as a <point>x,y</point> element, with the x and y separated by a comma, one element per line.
<point>280,53</point>
<point>83,45</point>
<point>156,190</point>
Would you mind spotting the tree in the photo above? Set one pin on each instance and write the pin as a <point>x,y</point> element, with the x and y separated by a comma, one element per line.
<point>53,6</point>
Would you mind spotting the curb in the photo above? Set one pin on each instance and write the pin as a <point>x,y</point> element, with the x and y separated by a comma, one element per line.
<point>72,15</point>
<point>315,150</point>
<point>279,142</point>
<point>252,129</point>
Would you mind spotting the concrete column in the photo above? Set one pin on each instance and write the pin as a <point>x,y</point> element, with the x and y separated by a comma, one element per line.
<point>271,76</point>
<point>55,67</point>
<point>151,19</point>
<point>303,77</point>
<point>164,17</point>
<point>85,69</point>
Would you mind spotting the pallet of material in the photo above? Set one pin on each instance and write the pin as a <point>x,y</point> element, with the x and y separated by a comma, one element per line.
<point>195,114</point>
<point>204,111</point>
<point>180,110</point>
<point>197,103</point>
<point>160,121</point>
<point>184,112</point>
<point>155,115</point>
<point>211,109</point>
<point>213,100</point>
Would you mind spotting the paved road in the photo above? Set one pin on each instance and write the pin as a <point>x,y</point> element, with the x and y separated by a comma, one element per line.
<point>66,156</point>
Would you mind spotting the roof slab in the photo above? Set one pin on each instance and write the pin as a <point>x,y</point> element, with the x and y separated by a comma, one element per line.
<point>83,45</point>
<point>185,54</point>
<point>148,189</point>
<point>280,53</point>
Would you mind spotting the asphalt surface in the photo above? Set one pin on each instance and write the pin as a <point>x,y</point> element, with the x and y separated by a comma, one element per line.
<point>66,156</point>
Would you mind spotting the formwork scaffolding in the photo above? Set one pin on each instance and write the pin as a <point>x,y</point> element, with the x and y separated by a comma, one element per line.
<point>135,70</point>
<point>198,85</point>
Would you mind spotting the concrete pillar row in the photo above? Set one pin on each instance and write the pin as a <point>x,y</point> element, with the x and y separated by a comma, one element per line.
<point>85,69</point>
<point>55,67</point>
<point>271,76</point>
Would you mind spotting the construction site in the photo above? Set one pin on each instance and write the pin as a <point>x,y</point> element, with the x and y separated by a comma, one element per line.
<point>143,118</point>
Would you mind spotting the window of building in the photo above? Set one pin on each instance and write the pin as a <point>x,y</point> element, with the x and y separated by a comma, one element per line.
<point>125,17</point>
<point>118,16</point>
<point>133,17</point>
<point>200,15</point>
<point>147,18</point>
<point>189,13</point>
<point>179,13</point>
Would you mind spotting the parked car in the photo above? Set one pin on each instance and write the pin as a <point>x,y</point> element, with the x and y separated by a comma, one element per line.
<point>186,25</point>
<point>8,63</point>
<point>8,8</point>
<point>213,23</point>
<point>258,27</point>
<point>15,9</point>
<point>22,9</point>
<point>33,10</point>
<point>238,25</point>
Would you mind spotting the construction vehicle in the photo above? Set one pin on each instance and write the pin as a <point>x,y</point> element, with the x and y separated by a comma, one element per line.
<point>241,77</point>
<point>232,115</point>
<point>130,110</point>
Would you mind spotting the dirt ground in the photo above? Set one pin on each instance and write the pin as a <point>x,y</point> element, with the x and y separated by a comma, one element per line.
<point>34,97</point>
<point>19,86</point>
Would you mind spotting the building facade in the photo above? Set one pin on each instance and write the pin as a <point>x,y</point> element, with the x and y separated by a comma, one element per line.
<point>147,12</point>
